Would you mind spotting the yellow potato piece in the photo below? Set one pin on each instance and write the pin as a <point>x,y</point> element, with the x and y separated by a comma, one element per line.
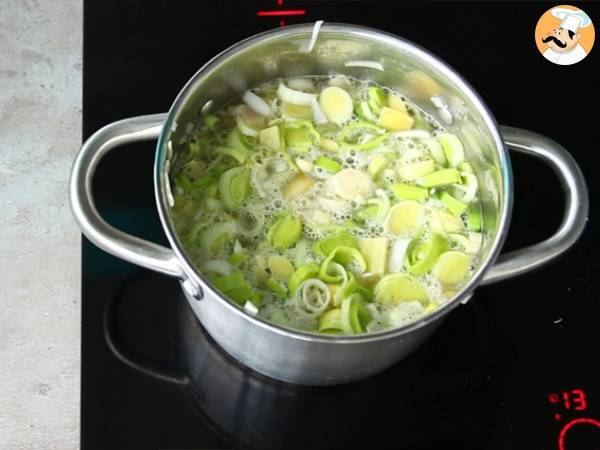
<point>270,137</point>
<point>395,120</point>
<point>336,104</point>
<point>297,186</point>
<point>395,102</point>
<point>375,252</point>
<point>352,184</point>
<point>281,268</point>
<point>404,216</point>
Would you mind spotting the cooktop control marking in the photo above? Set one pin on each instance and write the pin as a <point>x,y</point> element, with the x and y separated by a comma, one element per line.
<point>573,400</point>
<point>582,420</point>
<point>281,13</point>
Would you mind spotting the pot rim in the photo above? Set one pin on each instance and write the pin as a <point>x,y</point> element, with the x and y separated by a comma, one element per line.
<point>462,296</point>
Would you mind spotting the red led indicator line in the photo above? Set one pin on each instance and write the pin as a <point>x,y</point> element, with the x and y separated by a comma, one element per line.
<point>282,12</point>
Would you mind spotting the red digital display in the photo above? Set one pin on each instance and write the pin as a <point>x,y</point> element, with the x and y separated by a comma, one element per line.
<point>574,399</point>
<point>571,401</point>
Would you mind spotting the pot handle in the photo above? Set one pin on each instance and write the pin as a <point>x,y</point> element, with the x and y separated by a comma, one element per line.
<point>130,248</point>
<point>576,201</point>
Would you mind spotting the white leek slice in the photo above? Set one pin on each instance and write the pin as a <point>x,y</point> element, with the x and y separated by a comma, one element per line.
<point>336,104</point>
<point>218,266</point>
<point>329,145</point>
<point>317,112</point>
<point>416,170</point>
<point>397,255</point>
<point>313,37</point>
<point>466,191</point>
<point>304,165</point>
<point>403,217</point>
<point>352,184</point>
<point>443,223</point>
<point>301,83</point>
<point>437,151</point>
<point>452,267</point>
<point>245,129</point>
<point>281,268</point>
<point>470,244</point>
<point>293,96</point>
<point>475,242</point>
<point>215,236</point>
<point>250,308</point>
<point>313,297</point>
<point>256,103</point>
<point>366,64</point>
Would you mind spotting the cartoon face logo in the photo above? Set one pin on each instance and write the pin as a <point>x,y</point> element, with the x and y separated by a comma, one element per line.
<point>564,35</point>
<point>561,40</point>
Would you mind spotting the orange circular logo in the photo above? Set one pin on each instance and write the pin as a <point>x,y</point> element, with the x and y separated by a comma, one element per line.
<point>565,35</point>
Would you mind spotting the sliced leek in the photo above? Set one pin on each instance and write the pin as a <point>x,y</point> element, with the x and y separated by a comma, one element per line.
<point>453,149</point>
<point>452,267</point>
<point>285,232</point>
<point>336,104</point>
<point>423,255</point>
<point>417,170</point>
<point>403,191</point>
<point>453,205</point>
<point>406,216</point>
<point>234,187</point>
<point>302,273</point>
<point>438,178</point>
<point>400,287</point>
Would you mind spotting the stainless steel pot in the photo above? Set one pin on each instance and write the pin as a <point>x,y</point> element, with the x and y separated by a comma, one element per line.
<point>309,358</point>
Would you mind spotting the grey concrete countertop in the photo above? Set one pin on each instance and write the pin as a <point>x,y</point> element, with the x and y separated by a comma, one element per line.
<point>40,132</point>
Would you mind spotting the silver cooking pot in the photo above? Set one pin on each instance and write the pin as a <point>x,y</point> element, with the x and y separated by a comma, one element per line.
<point>310,358</point>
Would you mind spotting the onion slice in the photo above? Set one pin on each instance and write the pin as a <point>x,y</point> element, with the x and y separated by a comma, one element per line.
<point>219,266</point>
<point>318,115</point>
<point>313,37</point>
<point>294,97</point>
<point>256,103</point>
<point>366,64</point>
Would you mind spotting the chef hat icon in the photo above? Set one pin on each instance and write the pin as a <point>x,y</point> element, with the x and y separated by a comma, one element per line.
<point>571,19</point>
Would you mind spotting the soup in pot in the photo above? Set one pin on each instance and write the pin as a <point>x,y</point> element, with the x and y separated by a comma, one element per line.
<point>327,204</point>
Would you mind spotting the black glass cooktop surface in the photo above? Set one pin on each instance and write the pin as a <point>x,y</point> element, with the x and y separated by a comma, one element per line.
<point>512,369</point>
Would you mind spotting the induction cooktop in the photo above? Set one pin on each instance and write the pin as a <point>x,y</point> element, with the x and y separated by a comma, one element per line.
<point>517,367</point>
